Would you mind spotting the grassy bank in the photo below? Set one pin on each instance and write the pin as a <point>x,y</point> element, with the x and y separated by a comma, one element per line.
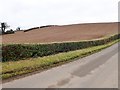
<point>15,68</point>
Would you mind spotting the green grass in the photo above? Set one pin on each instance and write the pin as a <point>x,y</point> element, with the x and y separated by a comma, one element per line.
<point>15,68</point>
<point>16,52</point>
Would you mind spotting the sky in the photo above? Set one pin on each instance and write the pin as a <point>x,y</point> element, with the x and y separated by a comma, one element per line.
<point>32,13</point>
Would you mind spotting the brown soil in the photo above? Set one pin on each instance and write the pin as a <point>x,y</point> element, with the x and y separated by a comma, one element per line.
<point>74,32</point>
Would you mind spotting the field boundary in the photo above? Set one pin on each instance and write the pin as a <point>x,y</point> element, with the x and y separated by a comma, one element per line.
<point>17,68</point>
<point>15,52</point>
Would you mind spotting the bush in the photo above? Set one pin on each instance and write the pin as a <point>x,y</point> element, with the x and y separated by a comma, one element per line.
<point>31,29</point>
<point>48,26</point>
<point>9,32</point>
<point>21,51</point>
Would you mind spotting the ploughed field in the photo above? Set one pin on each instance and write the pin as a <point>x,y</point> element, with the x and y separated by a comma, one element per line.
<point>75,32</point>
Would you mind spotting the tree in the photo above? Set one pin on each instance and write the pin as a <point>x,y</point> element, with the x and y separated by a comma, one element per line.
<point>3,27</point>
<point>18,29</point>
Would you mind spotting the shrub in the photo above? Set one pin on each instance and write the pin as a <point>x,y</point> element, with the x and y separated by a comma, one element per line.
<point>31,29</point>
<point>21,51</point>
<point>48,26</point>
<point>9,32</point>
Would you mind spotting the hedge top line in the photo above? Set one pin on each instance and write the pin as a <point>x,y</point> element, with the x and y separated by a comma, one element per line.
<point>102,38</point>
<point>14,52</point>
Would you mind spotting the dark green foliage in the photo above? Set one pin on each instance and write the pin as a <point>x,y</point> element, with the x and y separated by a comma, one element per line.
<point>16,52</point>
<point>9,32</point>
<point>31,29</point>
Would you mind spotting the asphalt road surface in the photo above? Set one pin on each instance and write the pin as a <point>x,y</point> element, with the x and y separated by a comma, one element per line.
<point>99,70</point>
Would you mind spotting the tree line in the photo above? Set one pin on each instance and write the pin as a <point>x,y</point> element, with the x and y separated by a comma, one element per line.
<point>4,26</point>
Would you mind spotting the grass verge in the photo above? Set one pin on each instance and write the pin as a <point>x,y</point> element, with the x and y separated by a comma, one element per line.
<point>16,68</point>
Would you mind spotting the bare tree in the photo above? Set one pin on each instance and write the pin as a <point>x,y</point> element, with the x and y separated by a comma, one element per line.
<point>4,26</point>
<point>18,29</point>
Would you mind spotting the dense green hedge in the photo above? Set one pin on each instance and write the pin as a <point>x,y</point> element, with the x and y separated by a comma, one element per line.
<point>21,51</point>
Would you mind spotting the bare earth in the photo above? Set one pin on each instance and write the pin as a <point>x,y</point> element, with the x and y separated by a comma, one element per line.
<point>75,32</point>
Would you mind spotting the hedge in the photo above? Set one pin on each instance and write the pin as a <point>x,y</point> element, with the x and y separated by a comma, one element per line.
<point>16,52</point>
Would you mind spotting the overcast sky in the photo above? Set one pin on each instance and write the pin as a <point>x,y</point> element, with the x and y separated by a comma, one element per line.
<point>31,13</point>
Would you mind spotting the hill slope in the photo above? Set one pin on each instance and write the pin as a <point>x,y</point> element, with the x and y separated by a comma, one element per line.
<point>73,32</point>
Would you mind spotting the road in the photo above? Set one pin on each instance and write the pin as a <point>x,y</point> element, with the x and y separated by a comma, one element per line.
<point>99,70</point>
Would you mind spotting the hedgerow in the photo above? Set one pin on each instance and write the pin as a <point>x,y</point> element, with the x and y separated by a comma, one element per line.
<point>16,52</point>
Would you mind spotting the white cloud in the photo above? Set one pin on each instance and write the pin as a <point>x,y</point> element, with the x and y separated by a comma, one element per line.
<point>30,13</point>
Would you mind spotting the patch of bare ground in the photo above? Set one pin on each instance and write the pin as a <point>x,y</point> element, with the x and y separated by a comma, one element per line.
<point>75,32</point>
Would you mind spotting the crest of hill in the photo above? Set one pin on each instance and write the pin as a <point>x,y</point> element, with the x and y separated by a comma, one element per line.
<point>61,33</point>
